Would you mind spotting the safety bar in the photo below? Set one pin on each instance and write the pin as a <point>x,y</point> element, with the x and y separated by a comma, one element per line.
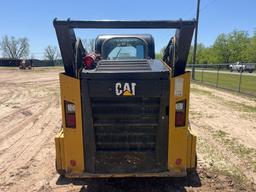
<point>108,24</point>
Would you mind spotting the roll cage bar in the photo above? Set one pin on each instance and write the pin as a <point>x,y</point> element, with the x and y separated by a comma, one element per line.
<point>175,54</point>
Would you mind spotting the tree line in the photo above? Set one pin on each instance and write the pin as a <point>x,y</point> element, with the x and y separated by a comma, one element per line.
<point>18,48</point>
<point>236,46</point>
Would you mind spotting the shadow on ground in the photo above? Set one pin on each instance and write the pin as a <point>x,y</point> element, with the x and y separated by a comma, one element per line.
<point>134,184</point>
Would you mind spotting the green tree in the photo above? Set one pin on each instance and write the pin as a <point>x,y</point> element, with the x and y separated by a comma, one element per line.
<point>204,54</point>
<point>239,43</point>
<point>227,48</point>
<point>158,55</point>
<point>211,56</point>
<point>190,55</point>
<point>221,48</point>
<point>251,56</point>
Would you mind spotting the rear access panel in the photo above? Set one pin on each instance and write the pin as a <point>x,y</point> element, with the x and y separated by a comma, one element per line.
<point>125,122</point>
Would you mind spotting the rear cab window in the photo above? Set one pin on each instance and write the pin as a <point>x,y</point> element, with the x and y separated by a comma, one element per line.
<point>124,48</point>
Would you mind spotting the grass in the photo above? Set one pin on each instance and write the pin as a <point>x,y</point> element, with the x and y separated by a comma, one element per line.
<point>240,106</point>
<point>219,161</point>
<point>228,81</point>
<point>233,145</point>
<point>201,92</point>
<point>231,104</point>
<point>239,179</point>
<point>195,114</point>
<point>220,164</point>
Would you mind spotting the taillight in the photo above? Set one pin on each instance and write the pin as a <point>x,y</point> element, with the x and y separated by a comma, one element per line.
<point>73,163</point>
<point>70,114</point>
<point>180,115</point>
<point>178,161</point>
<point>89,60</point>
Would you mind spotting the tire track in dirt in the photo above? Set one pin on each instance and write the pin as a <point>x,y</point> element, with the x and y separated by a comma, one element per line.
<point>12,93</point>
<point>29,149</point>
<point>23,115</point>
<point>27,131</point>
<point>22,121</point>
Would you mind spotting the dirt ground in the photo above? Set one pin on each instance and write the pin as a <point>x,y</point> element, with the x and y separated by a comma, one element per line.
<point>30,116</point>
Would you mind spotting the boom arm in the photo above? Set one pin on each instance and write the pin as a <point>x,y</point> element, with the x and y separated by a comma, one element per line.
<point>67,39</point>
<point>177,50</point>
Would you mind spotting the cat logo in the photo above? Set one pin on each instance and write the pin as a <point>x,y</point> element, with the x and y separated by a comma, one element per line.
<point>125,89</point>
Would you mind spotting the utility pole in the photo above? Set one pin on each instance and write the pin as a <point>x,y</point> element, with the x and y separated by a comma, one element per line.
<point>195,39</point>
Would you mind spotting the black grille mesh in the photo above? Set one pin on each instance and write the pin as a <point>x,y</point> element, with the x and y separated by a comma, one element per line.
<point>125,123</point>
<point>123,65</point>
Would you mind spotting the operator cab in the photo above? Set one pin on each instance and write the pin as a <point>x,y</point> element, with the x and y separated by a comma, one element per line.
<point>125,47</point>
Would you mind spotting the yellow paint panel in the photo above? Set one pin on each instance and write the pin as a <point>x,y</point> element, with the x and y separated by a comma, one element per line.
<point>59,148</point>
<point>73,137</point>
<point>180,139</point>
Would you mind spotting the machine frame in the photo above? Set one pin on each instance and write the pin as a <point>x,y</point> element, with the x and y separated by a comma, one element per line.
<point>69,143</point>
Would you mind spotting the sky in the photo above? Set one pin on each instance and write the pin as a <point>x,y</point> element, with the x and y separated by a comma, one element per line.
<point>33,19</point>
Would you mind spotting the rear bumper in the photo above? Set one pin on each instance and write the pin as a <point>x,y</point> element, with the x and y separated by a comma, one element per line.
<point>126,175</point>
<point>64,170</point>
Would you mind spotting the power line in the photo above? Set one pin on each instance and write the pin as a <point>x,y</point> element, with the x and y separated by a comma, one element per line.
<point>207,5</point>
<point>191,10</point>
<point>188,12</point>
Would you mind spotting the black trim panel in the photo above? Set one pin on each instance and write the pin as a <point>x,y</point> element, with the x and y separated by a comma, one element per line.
<point>145,159</point>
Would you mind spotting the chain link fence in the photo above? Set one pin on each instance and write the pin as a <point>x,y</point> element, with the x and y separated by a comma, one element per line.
<point>35,62</point>
<point>240,77</point>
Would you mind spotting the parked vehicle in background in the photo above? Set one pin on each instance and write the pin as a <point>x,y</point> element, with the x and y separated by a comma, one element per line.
<point>249,67</point>
<point>241,67</point>
<point>25,64</point>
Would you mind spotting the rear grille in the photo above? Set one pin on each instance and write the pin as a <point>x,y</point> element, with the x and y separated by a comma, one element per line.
<point>125,123</point>
<point>123,65</point>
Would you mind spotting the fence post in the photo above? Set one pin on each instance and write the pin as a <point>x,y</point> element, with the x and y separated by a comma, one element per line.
<point>240,81</point>
<point>218,70</point>
<point>202,76</point>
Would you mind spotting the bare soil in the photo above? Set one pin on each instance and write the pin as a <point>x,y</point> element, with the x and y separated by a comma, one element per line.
<point>30,117</point>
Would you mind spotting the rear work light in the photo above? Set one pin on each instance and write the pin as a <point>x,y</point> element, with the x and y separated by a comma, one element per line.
<point>70,114</point>
<point>180,114</point>
<point>89,60</point>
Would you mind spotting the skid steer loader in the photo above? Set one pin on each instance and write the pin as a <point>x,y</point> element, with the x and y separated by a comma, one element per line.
<point>124,113</point>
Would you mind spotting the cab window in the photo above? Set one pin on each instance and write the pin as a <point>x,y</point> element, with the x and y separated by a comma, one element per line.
<point>124,48</point>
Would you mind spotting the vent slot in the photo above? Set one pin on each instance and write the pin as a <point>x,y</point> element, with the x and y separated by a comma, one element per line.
<point>123,65</point>
<point>125,124</point>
